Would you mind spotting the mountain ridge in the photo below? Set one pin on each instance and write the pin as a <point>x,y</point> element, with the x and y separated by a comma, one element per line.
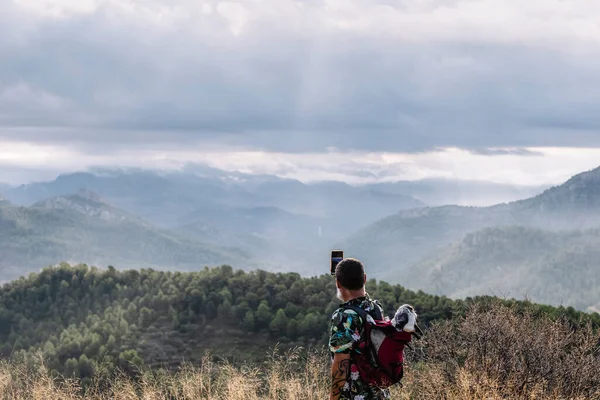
<point>86,202</point>
<point>299,220</point>
<point>79,229</point>
<point>392,245</point>
<point>551,267</point>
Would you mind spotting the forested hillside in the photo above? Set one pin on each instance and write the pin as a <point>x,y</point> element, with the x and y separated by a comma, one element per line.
<point>549,267</point>
<point>81,317</point>
<point>81,227</point>
<point>397,244</point>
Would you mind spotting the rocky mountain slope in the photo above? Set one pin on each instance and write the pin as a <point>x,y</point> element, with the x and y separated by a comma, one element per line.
<point>550,267</point>
<point>392,245</point>
<point>83,228</point>
<point>170,198</point>
<point>280,220</point>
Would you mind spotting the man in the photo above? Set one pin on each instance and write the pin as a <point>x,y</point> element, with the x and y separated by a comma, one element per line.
<point>346,331</point>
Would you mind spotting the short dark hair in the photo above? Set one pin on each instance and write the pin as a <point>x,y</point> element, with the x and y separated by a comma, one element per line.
<point>350,273</point>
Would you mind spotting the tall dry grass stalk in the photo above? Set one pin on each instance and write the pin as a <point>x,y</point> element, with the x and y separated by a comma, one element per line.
<point>291,375</point>
<point>502,352</point>
<point>490,354</point>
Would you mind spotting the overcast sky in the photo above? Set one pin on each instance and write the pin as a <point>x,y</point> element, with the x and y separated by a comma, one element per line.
<point>500,90</point>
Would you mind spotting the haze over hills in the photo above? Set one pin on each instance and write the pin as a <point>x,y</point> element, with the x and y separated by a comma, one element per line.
<point>83,228</point>
<point>439,192</point>
<point>208,216</point>
<point>200,199</point>
<point>396,246</point>
<point>550,267</point>
<point>172,199</point>
<point>275,221</point>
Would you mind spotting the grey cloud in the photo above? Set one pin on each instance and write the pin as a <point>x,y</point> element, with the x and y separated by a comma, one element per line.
<point>503,152</point>
<point>93,78</point>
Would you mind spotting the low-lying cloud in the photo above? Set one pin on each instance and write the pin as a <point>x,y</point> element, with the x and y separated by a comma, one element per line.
<point>22,162</point>
<point>300,76</point>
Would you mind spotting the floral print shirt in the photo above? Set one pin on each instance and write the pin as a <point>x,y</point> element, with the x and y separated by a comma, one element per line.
<point>346,330</point>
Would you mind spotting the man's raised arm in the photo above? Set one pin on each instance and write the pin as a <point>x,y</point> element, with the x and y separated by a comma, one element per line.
<point>340,370</point>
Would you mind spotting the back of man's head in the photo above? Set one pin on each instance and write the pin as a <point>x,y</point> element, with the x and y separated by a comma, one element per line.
<point>350,273</point>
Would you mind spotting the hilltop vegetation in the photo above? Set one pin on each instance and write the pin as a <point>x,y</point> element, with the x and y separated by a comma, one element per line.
<point>78,315</point>
<point>493,351</point>
<point>82,318</point>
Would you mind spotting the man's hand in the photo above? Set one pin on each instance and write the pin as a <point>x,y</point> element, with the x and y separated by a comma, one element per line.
<point>340,370</point>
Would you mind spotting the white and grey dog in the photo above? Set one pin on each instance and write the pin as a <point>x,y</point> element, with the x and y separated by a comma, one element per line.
<point>405,319</point>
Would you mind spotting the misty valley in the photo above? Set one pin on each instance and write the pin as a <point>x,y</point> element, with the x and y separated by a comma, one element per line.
<point>543,248</point>
<point>122,270</point>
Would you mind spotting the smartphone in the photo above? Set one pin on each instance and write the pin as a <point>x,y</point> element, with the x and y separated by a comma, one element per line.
<point>336,257</point>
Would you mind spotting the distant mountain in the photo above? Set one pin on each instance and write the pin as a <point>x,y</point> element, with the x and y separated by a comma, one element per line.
<point>393,244</point>
<point>87,203</point>
<point>277,220</point>
<point>270,223</point>
<point>83,228</point>
<point>556,268</point>
<point>158,198</point>
<point>167,198</point>
<point>575,204</point>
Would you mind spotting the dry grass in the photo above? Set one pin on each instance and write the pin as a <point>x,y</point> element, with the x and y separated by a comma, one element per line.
<point>287,376</point>
<point>500,352</point>
<point>491,354</point>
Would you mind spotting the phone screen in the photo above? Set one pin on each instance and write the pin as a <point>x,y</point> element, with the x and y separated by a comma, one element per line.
<point>336,257</point>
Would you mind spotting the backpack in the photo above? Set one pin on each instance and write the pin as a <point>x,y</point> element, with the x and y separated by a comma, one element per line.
<point>380,352</point>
